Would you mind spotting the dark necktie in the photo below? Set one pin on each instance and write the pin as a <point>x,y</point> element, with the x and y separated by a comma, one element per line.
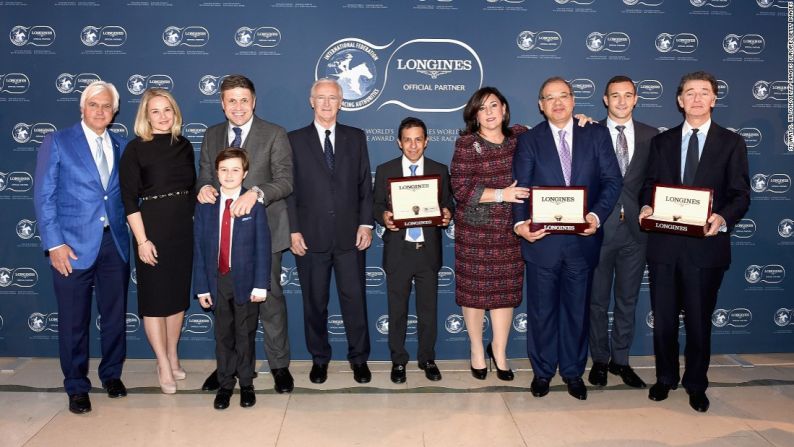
<point>414,232</point>
<point>692,157</point>
<point>328,148</point>
<point>238,137</point>
<point>622,150</point>
<point>226,238</point>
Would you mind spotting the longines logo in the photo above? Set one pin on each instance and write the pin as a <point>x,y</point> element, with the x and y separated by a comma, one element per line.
<point>37,36</point>
<point>752,136</point>
<point>39,322</point>
<point>771,3</point>
<point>785,228</point>
<point>137,84</point>
<point>614,42</point>
<point>783,316</point>
<point>575,2</point>
<point>109,36</point>
<point>197,324</point>
<point>31,133</point>
<point>14,83</point>
<point>131,323</point>
<point>748,43</point>
<point>539,40</point>
<point>70,83</point>
<point>27,229</point>
<point>722,89</point>
<point>336,325</point>
<point>374,276</point>
<point>20,277</point>
<point>446,276</point>
<point>582,88</point>
<point>520,323</point>
<point>775,90</point>
<point>769,274</point>
<point>677,43</point>
<point>712,3</point>
<point>643,2</point>
<point>19,181</point>
<point>649,89</point>
<point>774,183</point>
<point>209,85</point>
<point>194,132</point>
<point>190,36</point>
<point>744,229</point>
<point>450,230</point>
<point>434,67</point>
<point>739,317</point>
<point>120,130</point>
<point>264,36</point>
<point>454,324</point>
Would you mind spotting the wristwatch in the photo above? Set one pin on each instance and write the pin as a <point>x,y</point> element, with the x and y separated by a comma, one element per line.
<point>260,195</point>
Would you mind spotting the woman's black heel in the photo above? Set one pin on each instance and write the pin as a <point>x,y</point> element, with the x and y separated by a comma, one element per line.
<point>502,374</point>
<point>479,373</point>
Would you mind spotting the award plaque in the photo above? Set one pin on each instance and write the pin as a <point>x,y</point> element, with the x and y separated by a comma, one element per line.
<point>415,200</point>
<point>559,209</point>
<point>679,210</point>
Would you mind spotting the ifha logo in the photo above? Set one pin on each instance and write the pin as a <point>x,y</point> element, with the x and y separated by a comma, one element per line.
<point>774,183</point>
<point>739,317</point>
<point>771,3</point>
<point>450,230</point>
<point>748,43</point>
<point>454,324</point>
<point>782,317</point>
<point>678,43</point>
<point>744,229</point>
<point>722,89</point>
<point>374,276</point>
<point>5,277</point>
<point>289,276</point>
<point>137,84</point>
<point>643,2</point>
<point>785,228</point>
<point>194,132</point>
<point>336,325</point>
<point>575,2</point>
<point>120,130</point>
<point>380,230</point>
<point>39,322</point>
<point>131,323</point>
<point>649,89</point>
<point>284,276</point>
<point>615,42</point>
<point>37,36</point>
<point>27,229</point>
<point>1,323</point>
<point>712,3</point>
<point>761,90</point>
<point>582,88</point>
<point>382,324</point>
<point>134,275</point>
<point>446,276</point>
<point>14,83</point>
<point>351,61</point>
<point>197,324</point>
<point>649,319</point>
<point>549,41</point>
<point>209,85</point>
<point>69,83</point>
<point>191,36</point>
<point>769,274</point>
<point>520,322</point>
<point>31,133</point>
<point>16,181</point>
<point>109,36</point>
<point>264,36</point>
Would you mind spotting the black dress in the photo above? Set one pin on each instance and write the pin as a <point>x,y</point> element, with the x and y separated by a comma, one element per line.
<point>157,178</point>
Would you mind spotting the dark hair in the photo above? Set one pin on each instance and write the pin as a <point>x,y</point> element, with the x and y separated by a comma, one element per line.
<point>232,152</point>
<point>409,122</point>
<point>617,79</point>
<point>235,81</point>
<point>473,106</point>
<point>697,76</point>
<point>554,79</point>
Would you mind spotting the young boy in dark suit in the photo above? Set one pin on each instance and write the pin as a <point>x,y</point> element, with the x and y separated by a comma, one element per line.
<point>233,286</point>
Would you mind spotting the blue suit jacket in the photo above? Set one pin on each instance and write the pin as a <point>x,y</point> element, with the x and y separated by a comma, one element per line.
<point>250,251</point>
<point>70,201</point>
<point>594,166</point>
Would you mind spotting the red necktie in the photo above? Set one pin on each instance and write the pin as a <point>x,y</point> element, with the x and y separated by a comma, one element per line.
<point>226,238</point>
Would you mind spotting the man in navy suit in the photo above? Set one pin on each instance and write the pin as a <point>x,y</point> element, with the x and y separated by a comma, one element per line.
<point>560,267</point>
<point>686,272</point>
<point>330,218</point>
<point>84,232</point>
<point>232,263</point>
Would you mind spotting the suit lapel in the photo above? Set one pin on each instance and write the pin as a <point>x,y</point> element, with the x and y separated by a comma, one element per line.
<point>116,158</point>
<point>579,144</point>
<point>316,150</point>
<point>710,152</point>
<point>214,230</point>
<point>341,156</point>
<point>675,159</point>
<point>85,154</point>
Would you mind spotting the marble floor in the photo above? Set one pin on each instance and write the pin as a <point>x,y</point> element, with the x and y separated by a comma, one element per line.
<point>752,404</point>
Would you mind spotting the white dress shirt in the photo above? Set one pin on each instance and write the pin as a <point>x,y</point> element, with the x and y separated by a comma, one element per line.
<point>246,129</point>
<point>420,170</point>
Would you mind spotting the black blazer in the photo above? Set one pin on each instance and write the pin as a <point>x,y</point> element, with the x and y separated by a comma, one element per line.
<point>328,207</point>
<point>392,239</point>
<point>723,168</point>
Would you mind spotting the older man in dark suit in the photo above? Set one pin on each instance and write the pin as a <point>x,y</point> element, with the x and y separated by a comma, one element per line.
<point>686,272</point>
<point>622,260</point>
<point>269,182</point>
<point>330,216</point>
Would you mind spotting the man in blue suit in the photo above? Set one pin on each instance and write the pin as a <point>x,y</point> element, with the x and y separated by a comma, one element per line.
<point>560,267</point>
<point>84,232</point>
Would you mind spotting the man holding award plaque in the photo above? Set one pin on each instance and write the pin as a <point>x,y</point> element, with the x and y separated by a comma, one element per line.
<point>701,169</point>
<point>576,170</point>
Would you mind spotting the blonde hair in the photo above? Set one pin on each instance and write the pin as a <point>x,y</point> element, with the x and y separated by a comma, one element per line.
<point>143,128</point>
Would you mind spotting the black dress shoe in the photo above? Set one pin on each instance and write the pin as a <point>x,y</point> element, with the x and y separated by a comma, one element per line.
<point>539,386</point>
<point>211,383</point>
<point>247,396</point>
<point>431,370</point>
<point>115,388</point>
<point>283,381</point>
<point>576,388</point>
<point>698,401</point>
<point>222,399</point>
<point>319,373</point>
<point>659,391</point>
<point>598,374</point>
<point>627,374</point>
<point>398,372</point>
<point>479,373</point>
<point>361,372</point>
<point>79,403</point>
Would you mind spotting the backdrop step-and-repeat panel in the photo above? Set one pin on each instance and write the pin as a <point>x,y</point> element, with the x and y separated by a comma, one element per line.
<point>410,57</point>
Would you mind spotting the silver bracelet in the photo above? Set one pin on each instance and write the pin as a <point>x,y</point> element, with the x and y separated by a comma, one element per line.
<point>499,195</point>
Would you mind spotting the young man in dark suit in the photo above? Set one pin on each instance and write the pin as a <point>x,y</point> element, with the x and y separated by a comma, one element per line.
<point>330,218</point>
<point>686,272</point>
<point>622,259</point>
<point>231,274</point>
<point>412,255</point>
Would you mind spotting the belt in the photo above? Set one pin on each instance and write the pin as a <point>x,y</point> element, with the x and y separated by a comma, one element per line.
<point>163,196</point>
<point>415,245</point>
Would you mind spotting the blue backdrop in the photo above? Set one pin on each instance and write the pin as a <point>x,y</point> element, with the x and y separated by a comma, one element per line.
<point>411,57</point>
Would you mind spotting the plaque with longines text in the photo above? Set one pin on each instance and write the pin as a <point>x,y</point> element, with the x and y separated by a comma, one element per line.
<point>559,209</point>
<point>679,210</point>
<point>415,200</point>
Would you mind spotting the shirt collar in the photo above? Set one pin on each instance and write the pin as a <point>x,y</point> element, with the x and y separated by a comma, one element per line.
<point>90,134</point>
<point>245,127</point>
<point>612,125</point>
<point>407,164</point>
<point>568,128</point>
<point>321,129</point>
<point>702,130</point>
<point>233,196</point>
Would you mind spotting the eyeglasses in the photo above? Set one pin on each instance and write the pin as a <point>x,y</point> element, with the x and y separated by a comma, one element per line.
<point>550,98</point>
<point>332,99</point>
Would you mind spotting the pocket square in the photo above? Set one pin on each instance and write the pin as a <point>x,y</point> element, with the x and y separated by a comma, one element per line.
<point>246,218</point>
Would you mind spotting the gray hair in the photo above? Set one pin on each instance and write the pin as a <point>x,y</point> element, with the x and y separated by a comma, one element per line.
<point>96,88</point>
<point>323,81</point>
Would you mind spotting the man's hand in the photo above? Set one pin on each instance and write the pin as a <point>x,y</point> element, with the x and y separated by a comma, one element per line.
<point>205,301</point>
<point>298,247</point>
<point>207,194</point>
<point>244,204</point>
<point>714,223</point>
<point>363,237</point>
<point>148,253</point>
<point>446,216</point>
<point>532,236</point>
<point>60,259</point>
<point>388,221</point>
<point>258,299</point>
<point>590,219</point>
<point>583,119</point>
<point>645,212</point>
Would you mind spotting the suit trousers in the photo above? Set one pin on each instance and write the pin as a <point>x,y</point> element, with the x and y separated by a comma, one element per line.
<point>414,265</point>
<point>108,278</point>
<point>235,329</point>
<point>678,286</point>
<point>273,314</point>
<point>314,271</point>
<point>558,305</point>
<point>620,268</point>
